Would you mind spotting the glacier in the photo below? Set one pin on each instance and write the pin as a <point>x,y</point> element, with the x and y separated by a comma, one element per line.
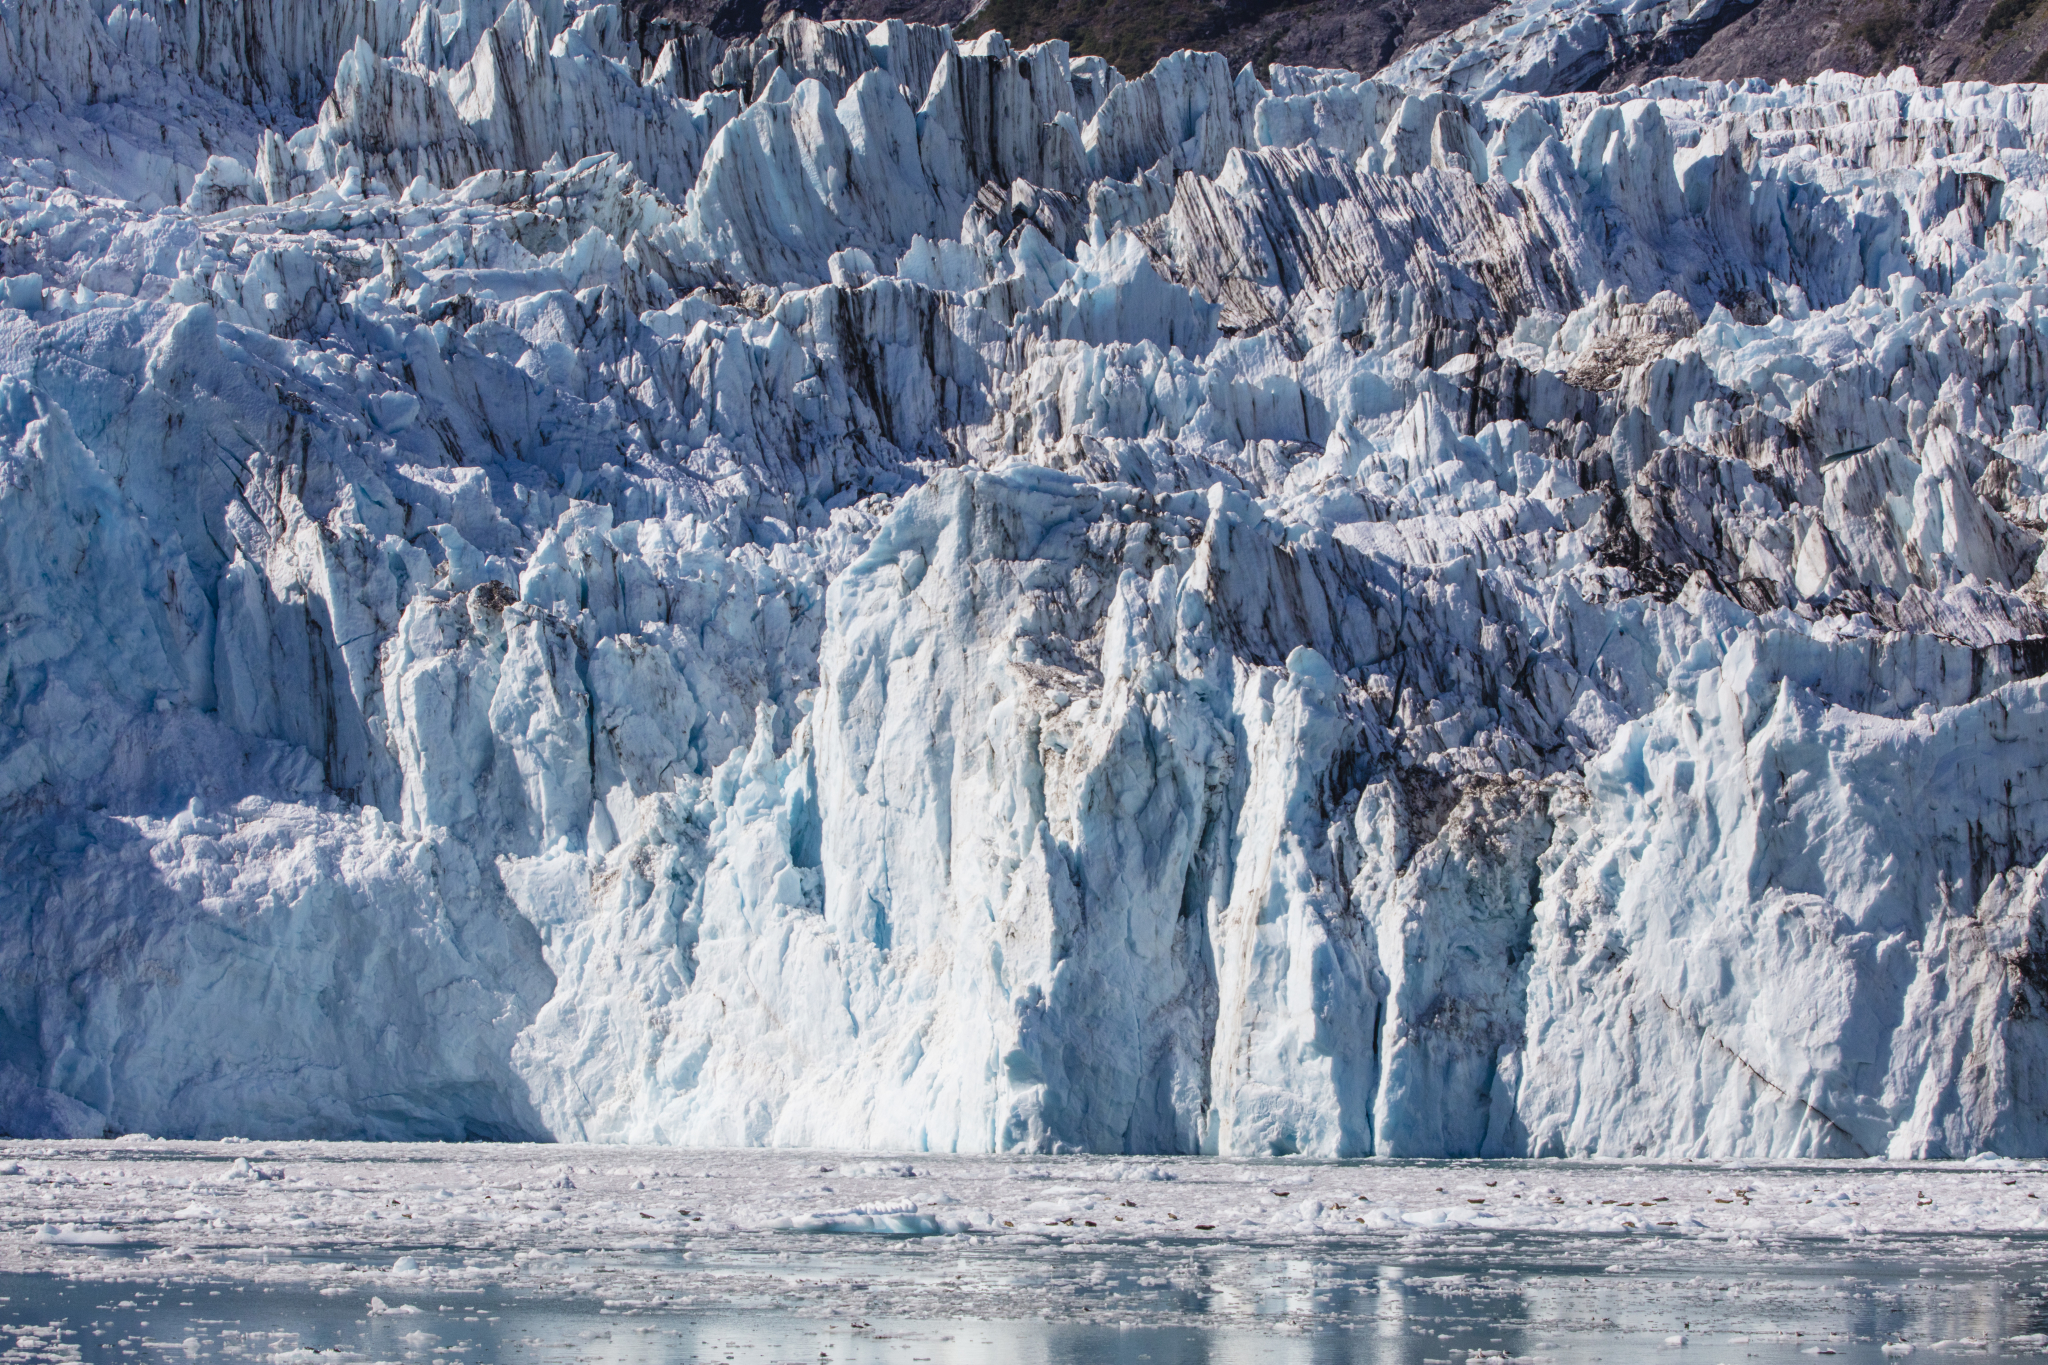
<point>570,579</point>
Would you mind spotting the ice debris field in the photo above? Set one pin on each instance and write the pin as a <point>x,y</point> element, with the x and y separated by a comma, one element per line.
<point>304,1252</point>
<point>565,578</point>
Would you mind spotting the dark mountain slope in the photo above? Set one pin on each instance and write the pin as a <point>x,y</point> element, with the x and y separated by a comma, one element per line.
<point>1994,40</point>
<point>1997,40</point>
<point>1135,33</point>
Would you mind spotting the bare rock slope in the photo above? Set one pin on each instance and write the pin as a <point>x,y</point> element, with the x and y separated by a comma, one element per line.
<point>1997,40</point>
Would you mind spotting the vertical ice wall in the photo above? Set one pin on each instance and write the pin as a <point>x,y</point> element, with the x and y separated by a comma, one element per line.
<point>569,579</point>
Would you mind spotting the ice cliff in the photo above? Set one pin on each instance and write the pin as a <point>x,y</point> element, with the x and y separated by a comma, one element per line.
<point>854,590</point>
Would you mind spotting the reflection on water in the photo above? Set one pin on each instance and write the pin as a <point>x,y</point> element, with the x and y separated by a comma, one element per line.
<point>838,1299</point>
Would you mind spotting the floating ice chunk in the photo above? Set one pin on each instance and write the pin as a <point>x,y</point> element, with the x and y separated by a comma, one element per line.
<point>1146,1171</point>
<point>67,1234</point>
<point>899,1219</point>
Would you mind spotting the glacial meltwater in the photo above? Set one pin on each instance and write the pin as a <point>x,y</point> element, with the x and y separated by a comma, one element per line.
<point>306,1252</point>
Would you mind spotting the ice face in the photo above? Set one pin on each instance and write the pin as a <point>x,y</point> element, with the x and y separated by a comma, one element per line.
<point>570,579</point>
<point>1555,46</point>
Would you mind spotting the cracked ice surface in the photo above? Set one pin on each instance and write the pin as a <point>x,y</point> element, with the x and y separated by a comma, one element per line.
<point>849,590</point>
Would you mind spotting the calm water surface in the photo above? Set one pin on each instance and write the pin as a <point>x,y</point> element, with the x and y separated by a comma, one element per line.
<point>818,1299</point>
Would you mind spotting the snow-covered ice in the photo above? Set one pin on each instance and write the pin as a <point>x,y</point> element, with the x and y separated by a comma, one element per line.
<point>564,578</point>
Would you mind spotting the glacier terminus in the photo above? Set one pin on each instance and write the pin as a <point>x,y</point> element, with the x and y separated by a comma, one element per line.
<point>563,577</point>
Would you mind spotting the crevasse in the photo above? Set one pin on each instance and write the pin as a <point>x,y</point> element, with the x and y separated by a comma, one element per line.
<point>563,578</point>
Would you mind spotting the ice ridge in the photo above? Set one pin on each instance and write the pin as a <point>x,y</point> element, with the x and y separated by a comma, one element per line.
<point>564,578</point>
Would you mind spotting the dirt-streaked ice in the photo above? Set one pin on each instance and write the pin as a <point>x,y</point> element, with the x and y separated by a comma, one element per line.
<point>563,578</point>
